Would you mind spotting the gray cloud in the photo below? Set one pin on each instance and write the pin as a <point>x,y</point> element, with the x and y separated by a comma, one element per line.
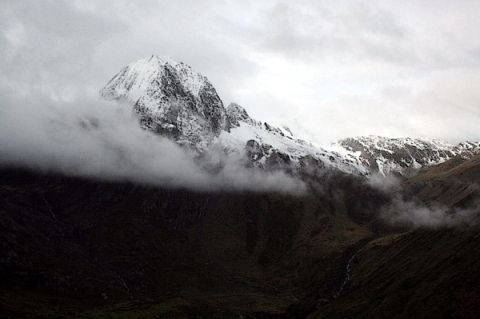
<point>330,68</point>
<point>359,31</point>
<point>409,213</point>
<point>97,139</point>
<point>414,213</point>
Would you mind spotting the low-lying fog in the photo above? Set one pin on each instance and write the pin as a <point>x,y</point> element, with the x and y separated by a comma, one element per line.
<point>100,139</point>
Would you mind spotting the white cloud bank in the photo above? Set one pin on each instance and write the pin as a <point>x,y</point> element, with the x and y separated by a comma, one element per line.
<point>104,140</point>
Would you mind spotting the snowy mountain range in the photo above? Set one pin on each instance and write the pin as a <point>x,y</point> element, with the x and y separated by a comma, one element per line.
<point>172,100</point>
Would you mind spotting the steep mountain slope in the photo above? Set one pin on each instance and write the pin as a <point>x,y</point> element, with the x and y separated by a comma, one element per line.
<point>420,274</point>
<point>425,273</point>
<point>77,247</point>
<point>454,183</point>
<point>461,168</point>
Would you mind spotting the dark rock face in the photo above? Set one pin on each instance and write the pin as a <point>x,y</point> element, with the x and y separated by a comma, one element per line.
<point>273,129</point>
<point>278,161</point>
<point>254,150</point>
<point>265,156</point>
<point>213,109</point>
<point>311,166</point>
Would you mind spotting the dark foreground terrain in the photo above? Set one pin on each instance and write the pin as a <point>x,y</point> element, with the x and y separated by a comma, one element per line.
<point>76,248</point>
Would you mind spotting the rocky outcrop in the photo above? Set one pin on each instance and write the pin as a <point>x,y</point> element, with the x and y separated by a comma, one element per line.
<point>254,151</point>
<point>237,114</point>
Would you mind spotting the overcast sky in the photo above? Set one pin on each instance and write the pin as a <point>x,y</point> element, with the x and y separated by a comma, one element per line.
<point>328,69</point>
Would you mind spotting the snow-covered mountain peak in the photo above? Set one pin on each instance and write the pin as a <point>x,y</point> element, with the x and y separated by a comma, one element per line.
<point>237,114</point>
<point>159,60</point>
<point>170,99</point>
<point>133,80</point>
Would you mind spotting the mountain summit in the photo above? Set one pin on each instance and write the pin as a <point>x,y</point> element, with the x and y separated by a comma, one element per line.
<point>171,99</point>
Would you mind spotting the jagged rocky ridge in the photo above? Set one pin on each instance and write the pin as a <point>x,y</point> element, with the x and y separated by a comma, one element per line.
<point>173,100</point>
<point>404,155</point>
